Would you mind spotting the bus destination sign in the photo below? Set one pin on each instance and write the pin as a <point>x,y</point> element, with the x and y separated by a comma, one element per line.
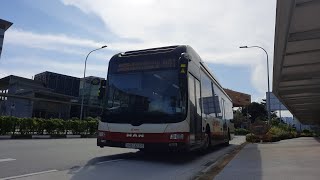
<point>147,64</point>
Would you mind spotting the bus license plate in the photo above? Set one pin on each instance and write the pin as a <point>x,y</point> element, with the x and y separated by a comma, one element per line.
<point>134,145</point>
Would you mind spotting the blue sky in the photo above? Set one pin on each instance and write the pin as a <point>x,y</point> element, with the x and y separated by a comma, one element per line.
<point>56,35</point>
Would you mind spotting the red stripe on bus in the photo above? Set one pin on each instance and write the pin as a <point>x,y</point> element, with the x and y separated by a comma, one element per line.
<point>144,137</point>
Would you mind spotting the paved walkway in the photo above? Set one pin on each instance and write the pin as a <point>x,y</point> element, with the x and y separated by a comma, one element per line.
<point>294,159</point>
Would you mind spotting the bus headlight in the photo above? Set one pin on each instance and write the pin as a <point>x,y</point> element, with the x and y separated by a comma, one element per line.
<point>176,136</point>
<point>101,134</point>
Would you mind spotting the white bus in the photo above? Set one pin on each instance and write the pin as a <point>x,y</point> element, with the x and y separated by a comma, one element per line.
<point>164,98</point>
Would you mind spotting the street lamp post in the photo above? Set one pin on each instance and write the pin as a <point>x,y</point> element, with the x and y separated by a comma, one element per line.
<point>84,76</point>
<point>269,109</point>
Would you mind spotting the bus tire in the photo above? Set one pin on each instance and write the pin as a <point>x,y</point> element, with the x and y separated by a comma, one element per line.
<point>227,143</point>
<point>208,139</point>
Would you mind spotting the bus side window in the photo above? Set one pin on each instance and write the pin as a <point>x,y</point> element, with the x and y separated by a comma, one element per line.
<point>223,108</point>
<point>207,96</point>
<point>217,96</point>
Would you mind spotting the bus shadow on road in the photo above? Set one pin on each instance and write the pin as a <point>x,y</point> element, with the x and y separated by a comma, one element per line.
<point>134,162</point>
<point>176,157</point>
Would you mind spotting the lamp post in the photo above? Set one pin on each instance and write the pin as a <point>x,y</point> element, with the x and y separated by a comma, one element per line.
<point>84,81</point>
<point>269,109</point>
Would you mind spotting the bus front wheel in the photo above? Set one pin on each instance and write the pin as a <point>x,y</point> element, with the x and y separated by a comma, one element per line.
<point>207,144</point>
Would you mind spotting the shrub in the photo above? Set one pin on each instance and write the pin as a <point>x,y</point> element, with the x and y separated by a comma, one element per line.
<point>77,126</point>
<point>92,126</point>
<point>83,126</point>
<point>277,132</point>
<point>307,133</point>
<point>271,138</point>
<point>54,126</point>
<point>280,132</point>
<point>68,126</point>
<point>49,126</point>
<point>293,134</point>
<point>241,131</point>
<point>60,126</point>
<point>40,125</point>
<point>7,125</point>
<point>252,138</point>
<point>26,125</point>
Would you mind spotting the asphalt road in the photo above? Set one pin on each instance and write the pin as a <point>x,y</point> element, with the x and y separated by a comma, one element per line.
<point>82,159</point>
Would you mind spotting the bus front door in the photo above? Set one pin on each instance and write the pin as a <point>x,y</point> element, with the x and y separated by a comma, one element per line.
<point>195,111</point>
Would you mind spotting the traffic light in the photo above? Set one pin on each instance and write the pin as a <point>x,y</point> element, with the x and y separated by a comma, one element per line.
<point>102,89</point>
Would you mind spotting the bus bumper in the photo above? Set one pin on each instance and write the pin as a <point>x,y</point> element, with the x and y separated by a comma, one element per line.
<point>169,146</point>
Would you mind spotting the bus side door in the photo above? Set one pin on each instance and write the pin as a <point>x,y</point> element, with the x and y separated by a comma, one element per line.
<point>195,110</point>
<point>224,122</point>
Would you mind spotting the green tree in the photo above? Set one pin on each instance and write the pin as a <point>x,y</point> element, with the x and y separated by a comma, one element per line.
<point>238,118</point>
<point>255,110</point>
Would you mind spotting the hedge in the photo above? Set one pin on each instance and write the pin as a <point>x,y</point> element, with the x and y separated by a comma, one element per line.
<point>38,126</point>
<point>275,133</point>
<point>241,131</point>
<point>308,133</point>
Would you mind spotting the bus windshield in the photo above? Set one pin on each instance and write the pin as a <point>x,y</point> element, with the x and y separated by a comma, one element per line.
<point>144,97</point>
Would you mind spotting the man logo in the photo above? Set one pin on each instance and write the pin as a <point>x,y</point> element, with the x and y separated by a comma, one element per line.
<point>134,135</point>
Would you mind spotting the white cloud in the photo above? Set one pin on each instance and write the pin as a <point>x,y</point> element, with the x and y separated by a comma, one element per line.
<point>40,40</point>
<point>64,43</point>
<point>29,66</point>
<point>55,42</point>
<point>214,28</point>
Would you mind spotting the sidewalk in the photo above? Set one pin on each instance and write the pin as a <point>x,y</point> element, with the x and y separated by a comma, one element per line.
<point>292,159</point>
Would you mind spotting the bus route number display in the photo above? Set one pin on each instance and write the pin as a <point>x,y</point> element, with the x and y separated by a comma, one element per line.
<point>146,65</point>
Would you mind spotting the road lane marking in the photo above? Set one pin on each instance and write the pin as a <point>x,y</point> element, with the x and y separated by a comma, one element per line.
<point>115,160</point>
<point>7,159</point>
<point>30,174</point>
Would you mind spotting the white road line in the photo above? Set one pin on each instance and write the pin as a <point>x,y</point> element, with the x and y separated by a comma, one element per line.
<point>115,160</point>
<point>7,159</point>
<point>26,175</point>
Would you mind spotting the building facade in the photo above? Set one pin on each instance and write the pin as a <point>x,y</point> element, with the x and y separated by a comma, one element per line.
<point>14,85</point>
<point>89,88</point>
<point>59,83</point>
<point>22,97</point>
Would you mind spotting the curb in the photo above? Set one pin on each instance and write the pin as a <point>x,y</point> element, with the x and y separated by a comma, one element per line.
<point>40,137</point>
<point>218,161</point>
<point>73,136</point>
<point>5,137</point>
<point>214,163</point>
